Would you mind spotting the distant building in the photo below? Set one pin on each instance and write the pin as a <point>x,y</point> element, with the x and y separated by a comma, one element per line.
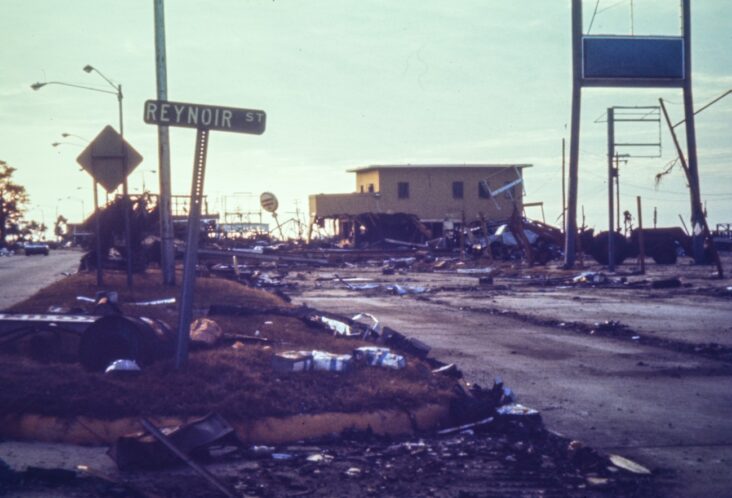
<point>437,194</point>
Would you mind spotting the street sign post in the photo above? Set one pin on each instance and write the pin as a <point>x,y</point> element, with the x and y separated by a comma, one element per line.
<point>203,118</point>
<point>269,203</point>
<point>109,159</point>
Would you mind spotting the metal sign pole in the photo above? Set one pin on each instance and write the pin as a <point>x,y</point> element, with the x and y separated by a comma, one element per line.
<point>203,118</point>
<point>167,249</point>
<point>127,204</point>
<point>191,258</point>
<point>98,234</point>
<point>279,227</point>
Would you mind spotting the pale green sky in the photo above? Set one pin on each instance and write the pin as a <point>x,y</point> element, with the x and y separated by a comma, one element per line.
<point>349,83</point>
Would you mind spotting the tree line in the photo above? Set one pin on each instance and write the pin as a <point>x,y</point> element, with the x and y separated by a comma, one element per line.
<point>14,227</point>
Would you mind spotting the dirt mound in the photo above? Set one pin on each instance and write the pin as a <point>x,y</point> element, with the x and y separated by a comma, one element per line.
<point>234,379</point>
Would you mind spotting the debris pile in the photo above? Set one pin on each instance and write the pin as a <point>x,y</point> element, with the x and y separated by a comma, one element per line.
<point>240,337</point>
<point>506,456</point>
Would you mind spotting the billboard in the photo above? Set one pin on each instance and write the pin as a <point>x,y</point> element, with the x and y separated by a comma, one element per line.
<point>634,58</point>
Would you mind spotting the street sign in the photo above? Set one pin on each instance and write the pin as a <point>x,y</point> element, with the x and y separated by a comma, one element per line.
<point>109,158</point>
<point>268,201</point>
<point>205,117</point>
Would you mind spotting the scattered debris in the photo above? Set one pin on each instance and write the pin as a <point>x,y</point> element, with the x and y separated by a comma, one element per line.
<point>329,362</point>
<point>628,465</point>
<point>122,367</point>
<point>292,361</point>
<point>205,331</point>
<point>379,357</point>
<point>175,449</point>
<point>516,412</point>
<point>590,277</point>
<point>666,283</point>
<point>113,337</point>
<point>353,472</point>
<point>374,326</point>
<point>465,427</point>
<point>338,328</point>
<point>155,302</point>
<point>141,451</point>
<point>451,370</point>
<point>409,345</point>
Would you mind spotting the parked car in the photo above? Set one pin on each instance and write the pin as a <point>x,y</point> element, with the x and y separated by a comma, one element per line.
<point>36,248</point>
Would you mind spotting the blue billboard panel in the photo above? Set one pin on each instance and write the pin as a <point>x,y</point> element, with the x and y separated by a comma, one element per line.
<point>632,58</point>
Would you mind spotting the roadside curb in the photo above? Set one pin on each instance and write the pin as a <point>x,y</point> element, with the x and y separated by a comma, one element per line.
<point>267,430</point>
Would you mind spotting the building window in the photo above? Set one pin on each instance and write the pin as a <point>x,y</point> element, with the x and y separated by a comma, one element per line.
<point>483,190</point>
<point>371,188</point>
<point>361,187</point>
<point>403,190</point>
<point>457,190</point>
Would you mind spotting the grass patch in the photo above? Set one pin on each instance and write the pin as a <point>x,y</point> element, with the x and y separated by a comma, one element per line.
<point>233,382</point>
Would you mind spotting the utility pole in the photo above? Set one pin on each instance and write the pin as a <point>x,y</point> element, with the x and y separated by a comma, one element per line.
<point>564,183</point>
<point>610,182</point>
<point>697,215</point>
<point>570,235</point>
<point>167,256</point>
<point>616,174</point>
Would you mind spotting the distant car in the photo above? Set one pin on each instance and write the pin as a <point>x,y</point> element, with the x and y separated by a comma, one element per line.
<point>36,248</point>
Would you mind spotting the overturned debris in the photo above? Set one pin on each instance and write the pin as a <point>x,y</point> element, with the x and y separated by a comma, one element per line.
<point>142,451</point>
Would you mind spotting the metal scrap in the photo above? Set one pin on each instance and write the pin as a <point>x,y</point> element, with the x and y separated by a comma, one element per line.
<point>170,445</point>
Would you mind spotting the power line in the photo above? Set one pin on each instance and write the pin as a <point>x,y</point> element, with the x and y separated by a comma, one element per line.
<point>632,19</point>
<point>597,4</point>
<point>612,6</point>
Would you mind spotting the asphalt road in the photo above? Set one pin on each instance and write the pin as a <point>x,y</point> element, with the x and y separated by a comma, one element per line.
<point>668,410</point>
<point>22,276</point>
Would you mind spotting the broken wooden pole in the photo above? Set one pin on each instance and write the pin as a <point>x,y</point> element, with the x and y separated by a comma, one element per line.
<point>641,243</point>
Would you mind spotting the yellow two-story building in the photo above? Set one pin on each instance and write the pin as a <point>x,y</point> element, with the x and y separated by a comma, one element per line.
<point>437,194</point>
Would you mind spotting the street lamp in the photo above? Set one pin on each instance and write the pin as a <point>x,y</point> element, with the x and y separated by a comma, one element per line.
<point>67,135</point>
<point>118,91</point>
<point>38,85</point>
<point>56,144</point>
